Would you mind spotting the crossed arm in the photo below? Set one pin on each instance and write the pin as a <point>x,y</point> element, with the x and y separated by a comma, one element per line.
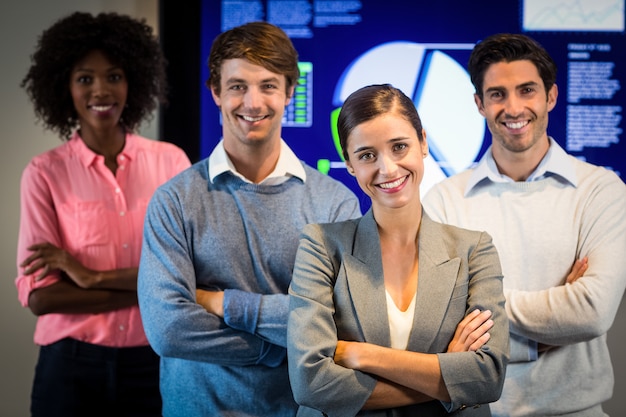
<point>416,377</point>
<point>80,289</point>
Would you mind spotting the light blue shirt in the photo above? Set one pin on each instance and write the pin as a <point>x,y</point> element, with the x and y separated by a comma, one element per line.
<point>555,162</point>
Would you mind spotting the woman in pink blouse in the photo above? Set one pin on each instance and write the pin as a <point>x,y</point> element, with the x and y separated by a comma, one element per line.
<point>93,79</point>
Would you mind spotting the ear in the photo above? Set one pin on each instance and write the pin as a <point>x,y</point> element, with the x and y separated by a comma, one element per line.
<point>289,95</point>
<point>350,168</point>
<point>552,95</point>
<point>216,97</point>
<point>479,105</point>
<point>424,144</point>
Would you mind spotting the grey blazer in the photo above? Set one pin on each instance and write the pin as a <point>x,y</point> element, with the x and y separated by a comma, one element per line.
<point>337,293</point>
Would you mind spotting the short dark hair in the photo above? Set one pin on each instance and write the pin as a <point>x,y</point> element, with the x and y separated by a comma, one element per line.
<point>125,41</point>
<point>508,47</point>
<point>262,44</point>
<point>370,102</point>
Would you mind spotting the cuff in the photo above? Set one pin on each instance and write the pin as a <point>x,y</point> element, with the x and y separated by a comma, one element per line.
<point>241,310</point>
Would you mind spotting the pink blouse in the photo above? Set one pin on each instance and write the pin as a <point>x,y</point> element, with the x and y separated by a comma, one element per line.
<point>72,200</point>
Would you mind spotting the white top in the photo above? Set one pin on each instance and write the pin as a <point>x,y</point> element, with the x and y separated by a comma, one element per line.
<point>400,322</point>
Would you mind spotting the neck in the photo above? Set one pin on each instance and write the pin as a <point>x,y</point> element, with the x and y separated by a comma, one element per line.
<point>108,143</point>
<point>255,162</point>
<point>399,224</point>
<point>519,165</point>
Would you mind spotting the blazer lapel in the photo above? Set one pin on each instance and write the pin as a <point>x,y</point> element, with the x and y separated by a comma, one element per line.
<point>437,278</point>
<point>364,274</point>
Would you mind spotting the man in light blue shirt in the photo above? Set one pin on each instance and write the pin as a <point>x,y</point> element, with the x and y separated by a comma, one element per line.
<point>558,224</point>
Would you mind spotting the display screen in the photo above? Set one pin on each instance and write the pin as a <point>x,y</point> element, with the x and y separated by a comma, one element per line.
<point>422,47</point>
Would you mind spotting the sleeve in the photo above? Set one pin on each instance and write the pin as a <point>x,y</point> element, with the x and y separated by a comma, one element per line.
<point>586,309</point>
<point>317,382</point>
<point>478,377</point>
<point>38,223</point>
<point>262,315</point>
<point>181,162</point>
<point>175,324</point>
<point>348,206</point>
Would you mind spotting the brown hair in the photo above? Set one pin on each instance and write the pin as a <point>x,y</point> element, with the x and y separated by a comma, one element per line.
<point>370,102</point>
<point>262,44</point>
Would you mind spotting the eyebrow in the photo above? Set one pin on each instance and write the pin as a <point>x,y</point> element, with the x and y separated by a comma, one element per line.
<point>87,69</point>
<point>235,80</point>
<point>523,85</point>
<point>393,140</point>
<point>361,149</point>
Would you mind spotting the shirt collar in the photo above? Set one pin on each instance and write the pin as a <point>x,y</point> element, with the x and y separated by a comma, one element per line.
<point>288,165</point>
<point>555,162</point>
<point>88,157</point>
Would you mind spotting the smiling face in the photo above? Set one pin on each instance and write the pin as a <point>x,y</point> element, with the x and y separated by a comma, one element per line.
<point>252,102</point>
<point>99,89</point>
<point>516,107</point>
<point>386,157</point>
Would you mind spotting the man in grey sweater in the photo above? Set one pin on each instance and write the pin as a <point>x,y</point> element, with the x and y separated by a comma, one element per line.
<point>220,241</point>
<point>558,224</point>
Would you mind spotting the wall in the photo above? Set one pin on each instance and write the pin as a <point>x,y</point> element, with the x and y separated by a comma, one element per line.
<point>21,22</point>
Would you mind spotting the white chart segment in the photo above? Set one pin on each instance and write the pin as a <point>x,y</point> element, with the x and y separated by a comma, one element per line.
<point>445,102</point>
<point>396,63</point>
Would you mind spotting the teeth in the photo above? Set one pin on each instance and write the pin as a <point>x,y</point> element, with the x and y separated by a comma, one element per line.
<point>394,184</point>
<point>101,108</point>
<point>517,125</point>
<point>252,119</point>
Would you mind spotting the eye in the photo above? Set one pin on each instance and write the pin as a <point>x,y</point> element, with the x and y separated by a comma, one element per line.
<point>83,79</point>
<point>116,77</point>
<point>399,147</point>
<point>366,156</point>
<point>269,86</point>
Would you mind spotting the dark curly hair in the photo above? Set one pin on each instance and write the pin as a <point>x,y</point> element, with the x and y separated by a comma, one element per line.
<point>127,42</point>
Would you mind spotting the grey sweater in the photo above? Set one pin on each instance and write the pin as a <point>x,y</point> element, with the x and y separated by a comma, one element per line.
<point>239,237</point>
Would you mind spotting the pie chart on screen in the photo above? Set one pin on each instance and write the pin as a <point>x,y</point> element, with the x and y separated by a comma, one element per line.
<point>443,95</point>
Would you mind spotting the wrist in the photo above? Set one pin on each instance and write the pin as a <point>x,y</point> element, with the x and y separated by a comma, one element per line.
<point>94,279</point>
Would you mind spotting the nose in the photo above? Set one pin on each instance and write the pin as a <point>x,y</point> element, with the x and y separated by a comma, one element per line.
<point>514,106</point>
<point>252,98</point>
<point>99,87</point>
<point>387,165</point>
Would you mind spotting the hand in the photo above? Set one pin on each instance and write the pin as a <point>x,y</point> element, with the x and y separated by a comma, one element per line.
<point>212,301</point>
<point>578,270</point>
<point>347,354</point>
<point>472,332</point>
<point>47,258</point>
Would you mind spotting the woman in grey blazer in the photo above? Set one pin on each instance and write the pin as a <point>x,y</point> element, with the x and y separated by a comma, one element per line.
<point>375,302</point>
